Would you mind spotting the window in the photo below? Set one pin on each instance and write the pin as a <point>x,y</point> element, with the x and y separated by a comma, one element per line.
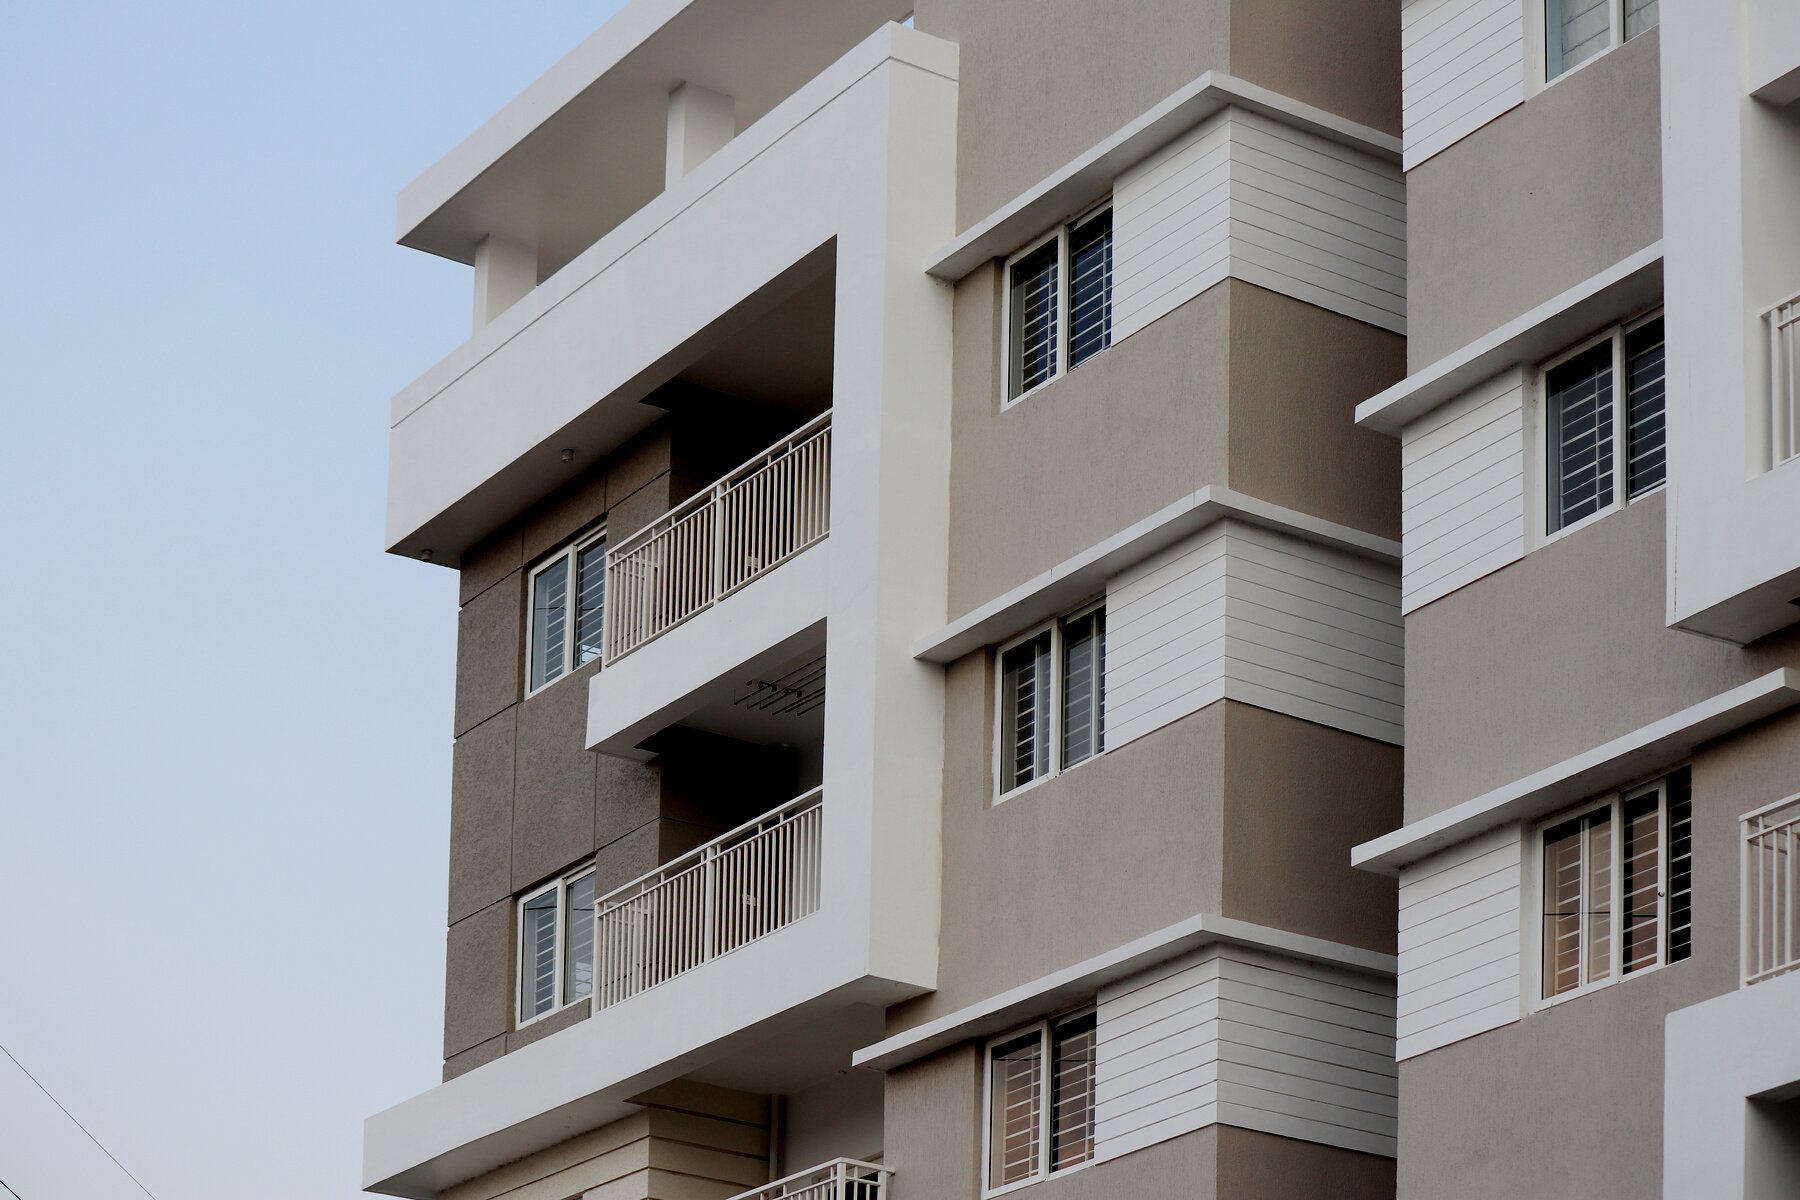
<point>553,649</point>
<point>1603,442</point>
<point>1059,303</point>
<point>1577,30</point>
<point>1040,1101</point>
<point>1617,888</point>
<point>1052,699</point>
<point>556,944</point>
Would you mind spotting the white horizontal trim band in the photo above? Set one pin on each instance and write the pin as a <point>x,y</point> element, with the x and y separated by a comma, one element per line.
<point>1090,174</point>
<point>1645,749</point>
<point>1082,980</point>
<point>1084,575</point>
<point>1628,285</point>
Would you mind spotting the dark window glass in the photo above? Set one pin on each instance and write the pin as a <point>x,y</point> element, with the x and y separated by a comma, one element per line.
<point>1580,435</point>
<point>1090,288</point>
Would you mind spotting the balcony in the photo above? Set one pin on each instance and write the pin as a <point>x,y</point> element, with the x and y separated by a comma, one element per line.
<point>754,519</point>
<point>758,878</point>
<point>1771,874</point>
<point>840,1179</point>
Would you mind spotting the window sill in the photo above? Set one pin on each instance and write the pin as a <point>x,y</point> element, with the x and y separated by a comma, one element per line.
<point>1595,518</point>
<point>1546,1004</point>
<point>1021,1185</point>
<point>1002,797</point>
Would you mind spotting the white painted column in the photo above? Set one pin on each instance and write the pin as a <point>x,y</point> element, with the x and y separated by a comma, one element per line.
<point>701,121</point>
<point>504,272</point>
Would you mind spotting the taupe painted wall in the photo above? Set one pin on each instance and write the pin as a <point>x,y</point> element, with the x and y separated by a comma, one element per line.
<point>528,800</point>
<point>1231,810</point>
<point>1531,204</point>
<point>1058,873</point>
<point>1297,795</point>
<point>1568,1102</point>
<point>1297,374</point>
<point>1553,655</point>
<point>1240,386</point>
<point>934,1146</point>
<point>1042,81</point>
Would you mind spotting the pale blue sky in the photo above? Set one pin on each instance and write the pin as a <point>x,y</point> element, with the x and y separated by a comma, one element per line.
<point>224,713</point>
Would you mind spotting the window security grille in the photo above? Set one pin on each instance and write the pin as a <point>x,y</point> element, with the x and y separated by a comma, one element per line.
<point>1040,1100</point>
<point>1577,30</point>
<point>556,944</point>
<point>1617,885</point>
<point>1599,444</point>
<point>554,648</point>
<point>1059,303</point>
<point>1052,702</point>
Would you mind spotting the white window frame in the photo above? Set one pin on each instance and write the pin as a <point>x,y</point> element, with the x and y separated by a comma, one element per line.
<point>1537,29</point>
<point>1059,235</point>
<point>560,999</point>
<point>1533,942</point>
<point>1056,768</point>
<point>1539,508</point>
<point>1046,1097</point>
<point>570,553</point>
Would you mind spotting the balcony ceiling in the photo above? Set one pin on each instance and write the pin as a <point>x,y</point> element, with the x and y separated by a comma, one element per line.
<point>582,148</point>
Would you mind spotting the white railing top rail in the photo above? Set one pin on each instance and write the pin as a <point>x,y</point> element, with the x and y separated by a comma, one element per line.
<point>1771,816</point>
<point>812,1176</point>
<point>707,494</point>
<point>675,866</point>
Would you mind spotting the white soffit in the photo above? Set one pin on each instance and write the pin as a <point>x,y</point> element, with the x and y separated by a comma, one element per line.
<point>1622,289</point>
<point>1090,176</point>
<point>1084,575</point>
<point>1606,766</point>
<point>1081,981</point>
<point>588,136</point>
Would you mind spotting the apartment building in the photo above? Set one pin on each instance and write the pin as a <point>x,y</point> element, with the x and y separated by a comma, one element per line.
<point>930,625</point>
<point>929,481</point>
<point>1601,567</point>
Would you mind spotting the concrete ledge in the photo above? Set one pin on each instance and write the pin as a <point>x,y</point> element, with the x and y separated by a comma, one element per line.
<point>656,685</point>
<point>1625,287</point>
<point>1084,575</point>
<point>1090,175</point>
<point>1076,983</point>
<point>1605,766</point>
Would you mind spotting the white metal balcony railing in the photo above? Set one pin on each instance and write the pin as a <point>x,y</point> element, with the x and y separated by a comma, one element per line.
<point>840,1179</point>
<point>701,551</point>
<point>760,877</point>
<point>1771,890</point>
<point>1784,379</point>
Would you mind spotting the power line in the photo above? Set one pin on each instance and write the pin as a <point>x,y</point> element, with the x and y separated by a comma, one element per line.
<point>78,1125</point>
<point>7,1185</point>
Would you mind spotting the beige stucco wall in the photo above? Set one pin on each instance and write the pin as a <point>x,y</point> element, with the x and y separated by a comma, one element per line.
<point>1297,373</point>
<point>1240,387</point>
<point>1057,873</point>
<point>1041,81</point>
<point>1549,194</point>
<point>1553,655</point>
<point>1568,1102</point>
<point>1224,812</point>
<point>1297,795</point>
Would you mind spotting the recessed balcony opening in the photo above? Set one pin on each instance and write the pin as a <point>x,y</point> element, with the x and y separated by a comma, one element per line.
<point>749,759</point>
<point>752,425</point>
